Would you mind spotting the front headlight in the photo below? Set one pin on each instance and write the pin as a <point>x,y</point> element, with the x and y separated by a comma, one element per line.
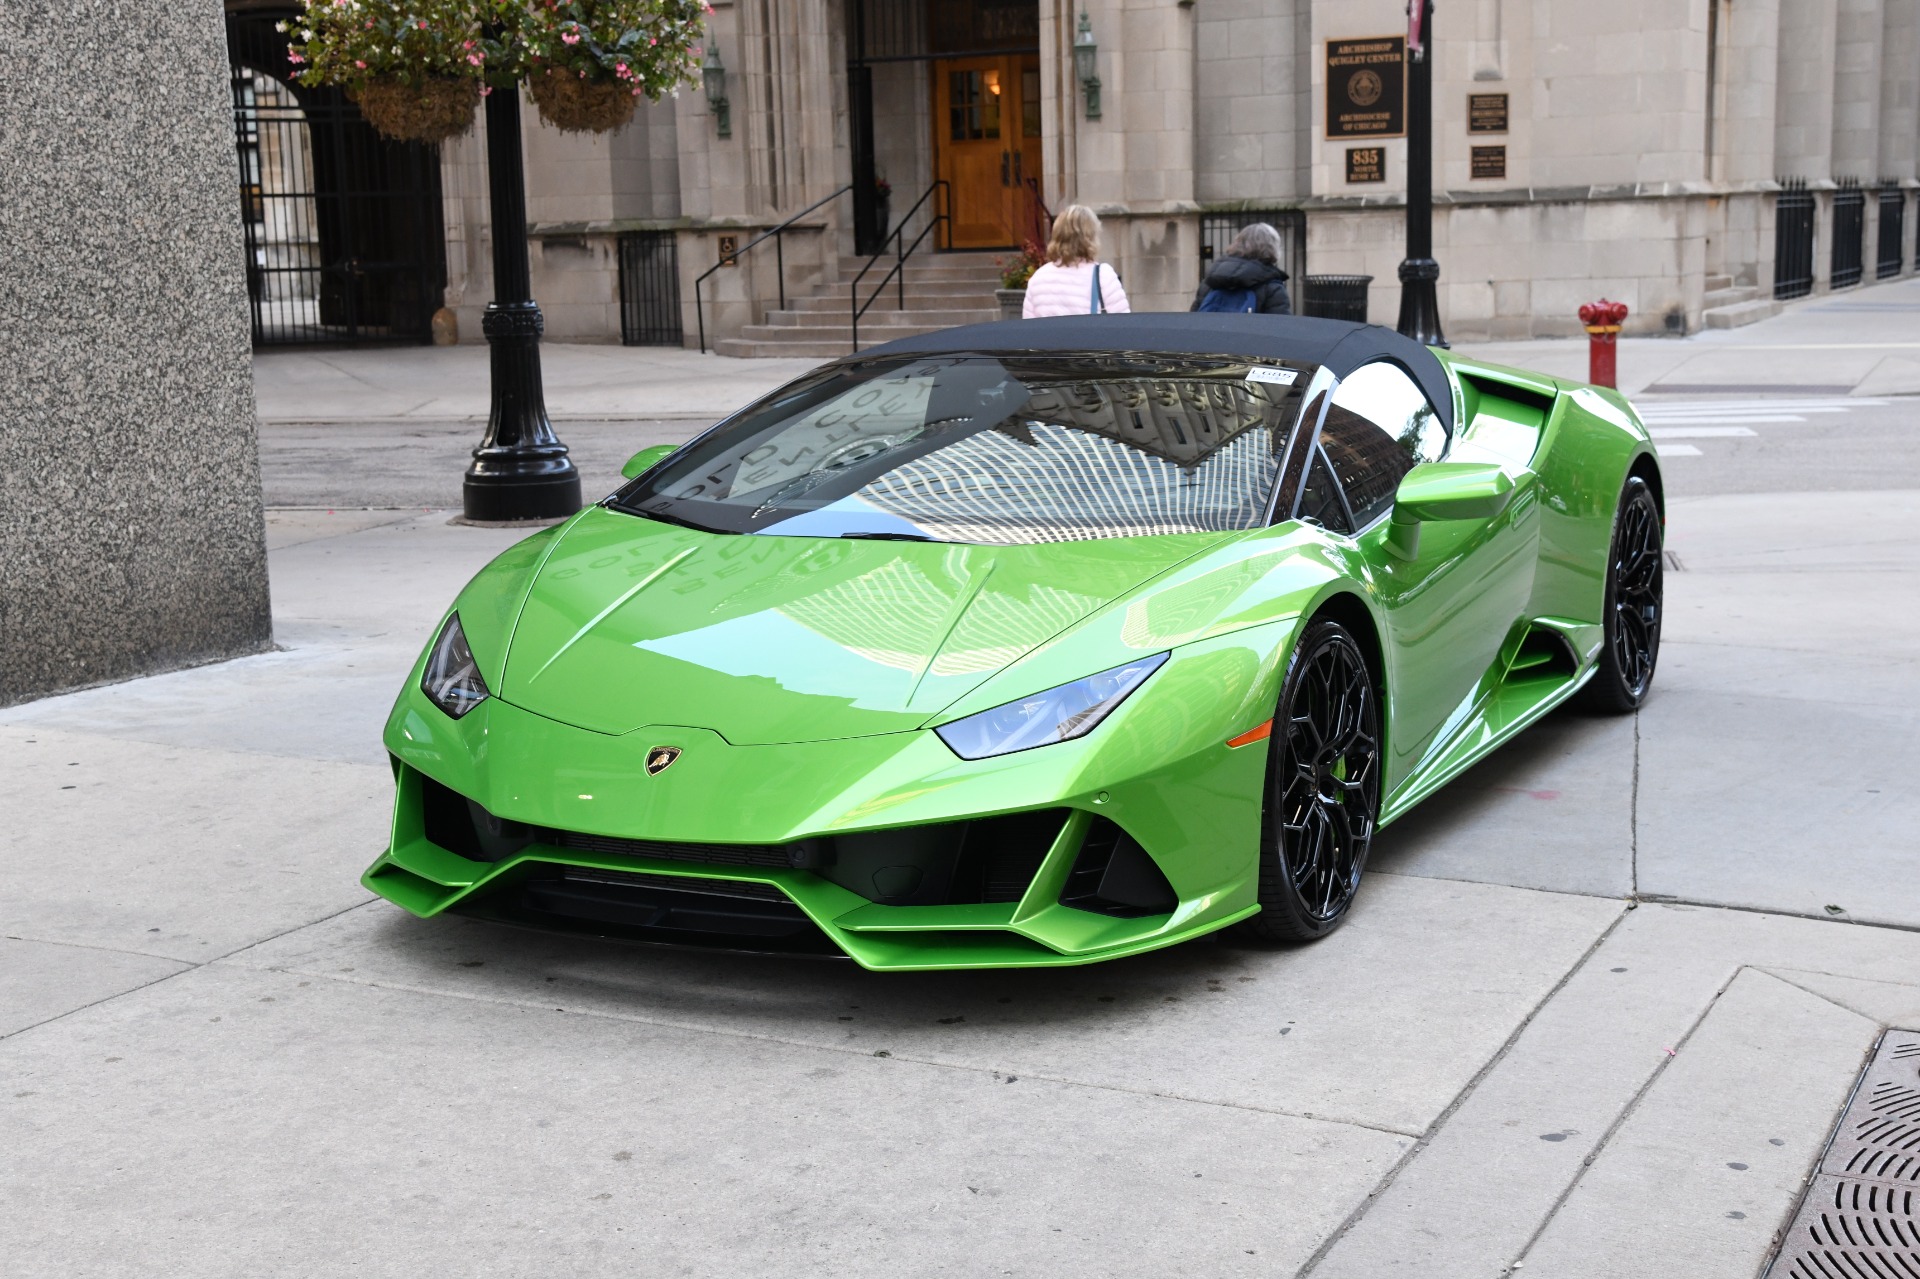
<point>1057,715</point>
<point>452,680</point>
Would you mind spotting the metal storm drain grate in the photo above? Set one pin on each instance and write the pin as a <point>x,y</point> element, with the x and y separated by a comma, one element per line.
<point>1861,1215</point>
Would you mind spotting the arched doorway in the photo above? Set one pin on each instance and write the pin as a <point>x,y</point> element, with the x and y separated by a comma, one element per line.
<point>344,229</point>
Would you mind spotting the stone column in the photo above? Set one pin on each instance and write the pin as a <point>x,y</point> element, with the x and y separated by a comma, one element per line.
<point>1135,164</point>
<point>131,538</point>
<point>1251,110</point>
<point>1900,91</point>
<point>1859,28</point>
<point>1804,117</point>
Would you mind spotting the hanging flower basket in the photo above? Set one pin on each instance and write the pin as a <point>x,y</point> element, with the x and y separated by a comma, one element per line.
<point>432,111</point>
<point>574,104</point>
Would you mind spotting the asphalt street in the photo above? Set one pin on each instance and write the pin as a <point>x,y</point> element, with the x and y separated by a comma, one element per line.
<point>1596,1011</point>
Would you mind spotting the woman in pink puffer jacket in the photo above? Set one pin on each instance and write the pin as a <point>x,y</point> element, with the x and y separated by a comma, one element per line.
<point>1073,280</point>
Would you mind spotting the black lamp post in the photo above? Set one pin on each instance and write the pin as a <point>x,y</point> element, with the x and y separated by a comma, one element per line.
<point>1419,299</point>
<point>521,470</point>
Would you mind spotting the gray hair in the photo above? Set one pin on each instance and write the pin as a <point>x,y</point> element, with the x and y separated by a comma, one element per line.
<point>1259,242</point>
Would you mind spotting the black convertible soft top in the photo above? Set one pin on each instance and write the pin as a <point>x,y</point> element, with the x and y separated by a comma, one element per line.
<point>1340,345</point>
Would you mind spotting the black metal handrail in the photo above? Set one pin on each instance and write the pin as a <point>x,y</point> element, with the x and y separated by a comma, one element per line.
<point>901,254</point>
<point>779,251</point>
<point>1042,216</point>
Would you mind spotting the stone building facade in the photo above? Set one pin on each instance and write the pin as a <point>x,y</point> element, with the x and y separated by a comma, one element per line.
<point>1634,149</point>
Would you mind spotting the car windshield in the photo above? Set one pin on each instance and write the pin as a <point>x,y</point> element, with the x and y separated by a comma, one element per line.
<point>998,450</point>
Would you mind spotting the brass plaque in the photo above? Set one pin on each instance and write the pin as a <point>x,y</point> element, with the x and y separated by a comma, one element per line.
<point>1367,87</point>
<point>1366,164</point>
<point>729,250</point>
<point>1486,113</point>
<point>1487,162</point>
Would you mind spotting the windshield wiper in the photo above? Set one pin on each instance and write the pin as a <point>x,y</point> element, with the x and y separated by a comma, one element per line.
<point>887,537</point>
<point>647,513</point>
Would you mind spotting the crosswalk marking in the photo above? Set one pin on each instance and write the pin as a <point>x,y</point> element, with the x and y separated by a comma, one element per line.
<point>1733,419</point>
<point>1748,412</point>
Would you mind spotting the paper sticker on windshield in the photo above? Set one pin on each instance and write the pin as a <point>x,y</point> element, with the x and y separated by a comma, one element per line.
<point>1279,377</point>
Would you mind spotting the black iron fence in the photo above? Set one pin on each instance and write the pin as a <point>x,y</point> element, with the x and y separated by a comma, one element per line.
<point>1793,213</point>
<point>650,289</point>
<point>1218,229</point>
<point>1849,233</point>
<point>343,228</point>
<point>1893,230</point>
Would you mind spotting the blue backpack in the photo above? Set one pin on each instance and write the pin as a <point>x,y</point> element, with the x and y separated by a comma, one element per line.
<point>1237,301</point>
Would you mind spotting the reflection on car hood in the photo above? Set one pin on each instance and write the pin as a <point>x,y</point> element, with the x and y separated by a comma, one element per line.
<point>633,622</point>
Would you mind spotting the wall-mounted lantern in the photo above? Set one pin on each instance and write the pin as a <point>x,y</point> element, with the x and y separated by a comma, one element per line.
<point>1084,53</point>
<point>714,76</point>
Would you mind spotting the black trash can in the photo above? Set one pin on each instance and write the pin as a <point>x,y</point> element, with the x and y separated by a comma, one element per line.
<point>1337,297</point>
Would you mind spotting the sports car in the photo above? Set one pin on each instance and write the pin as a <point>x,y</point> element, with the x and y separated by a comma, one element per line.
<point>1027,643</point>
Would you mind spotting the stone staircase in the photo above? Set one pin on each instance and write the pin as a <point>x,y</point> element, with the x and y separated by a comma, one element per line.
<point>943,289</point>
<point>1727,307</point>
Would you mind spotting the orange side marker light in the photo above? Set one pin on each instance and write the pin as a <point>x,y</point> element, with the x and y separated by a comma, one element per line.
<point>1252,735</point>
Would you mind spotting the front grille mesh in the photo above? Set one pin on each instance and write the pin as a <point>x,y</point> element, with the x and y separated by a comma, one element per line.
<point>678,883</point>
<point>765,856</point>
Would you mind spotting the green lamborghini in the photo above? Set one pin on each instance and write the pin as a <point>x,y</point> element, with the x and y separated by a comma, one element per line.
<point>1038,642</point>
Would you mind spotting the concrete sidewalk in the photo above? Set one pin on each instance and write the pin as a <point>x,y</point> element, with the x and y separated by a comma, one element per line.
<point>1595,1013</point>
<point>395,427</point>
<point>1865,342</point>
<point>449,383</point>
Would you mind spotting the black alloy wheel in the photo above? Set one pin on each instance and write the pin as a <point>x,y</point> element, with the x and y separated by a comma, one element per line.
<point>1323,789</point>
<point>1636,581</point>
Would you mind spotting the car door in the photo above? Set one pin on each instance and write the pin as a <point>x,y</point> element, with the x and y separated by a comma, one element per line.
<point>1449,608</point>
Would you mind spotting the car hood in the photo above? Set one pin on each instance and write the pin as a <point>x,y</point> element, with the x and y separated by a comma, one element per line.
<point>764,639</point>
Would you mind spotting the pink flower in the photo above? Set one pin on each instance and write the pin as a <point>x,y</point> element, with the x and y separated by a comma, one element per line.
<point>485,89</point>
<point>421,24</point>
<point>570,37</point>
<point>474,58</point>
<point>620,68</point>
<point>636,93</point>
<point>360,64</point>
<point>294,57</point>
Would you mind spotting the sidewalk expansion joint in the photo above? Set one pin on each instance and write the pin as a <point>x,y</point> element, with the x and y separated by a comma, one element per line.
<point>186,966</point>
<point>1694,903</point>
<point>1434,1129</point>
<point>1626,1112</point>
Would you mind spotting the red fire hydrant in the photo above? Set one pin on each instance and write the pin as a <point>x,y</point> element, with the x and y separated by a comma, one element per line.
<point>1603,320</point>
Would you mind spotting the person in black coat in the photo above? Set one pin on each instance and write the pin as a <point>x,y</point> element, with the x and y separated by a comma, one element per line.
<point>1250,264</point>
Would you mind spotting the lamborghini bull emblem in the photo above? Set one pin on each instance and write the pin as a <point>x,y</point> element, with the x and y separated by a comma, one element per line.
<point>660,759</point>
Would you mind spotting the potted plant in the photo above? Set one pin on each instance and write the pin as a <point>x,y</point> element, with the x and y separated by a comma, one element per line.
<point>1014,274</point>
<point>418,68</point>
<point>415,69</point>
<point>588,62</point>
<point>882,209</point>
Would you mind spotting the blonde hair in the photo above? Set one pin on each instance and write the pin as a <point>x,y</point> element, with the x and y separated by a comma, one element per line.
<point>1075,238</point>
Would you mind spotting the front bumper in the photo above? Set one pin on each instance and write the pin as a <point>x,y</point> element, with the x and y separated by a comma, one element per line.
<point>1158,771</point>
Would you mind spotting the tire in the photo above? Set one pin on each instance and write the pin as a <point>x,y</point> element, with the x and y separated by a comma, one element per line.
<point>1635,601</point>
<point>1322,789</point>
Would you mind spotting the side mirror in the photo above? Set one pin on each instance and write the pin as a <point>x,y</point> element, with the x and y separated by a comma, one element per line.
<point>646,459</point>
<point>1446,491</point>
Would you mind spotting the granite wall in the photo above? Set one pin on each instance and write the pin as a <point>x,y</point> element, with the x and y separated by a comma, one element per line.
<point>131,537</point>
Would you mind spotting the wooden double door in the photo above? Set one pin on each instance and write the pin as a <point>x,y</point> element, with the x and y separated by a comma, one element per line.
<point>986,142</point>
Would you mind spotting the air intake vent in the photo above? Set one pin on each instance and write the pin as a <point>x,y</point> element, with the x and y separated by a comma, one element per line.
<point>1544,653</point>
<point>1114,876</point>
